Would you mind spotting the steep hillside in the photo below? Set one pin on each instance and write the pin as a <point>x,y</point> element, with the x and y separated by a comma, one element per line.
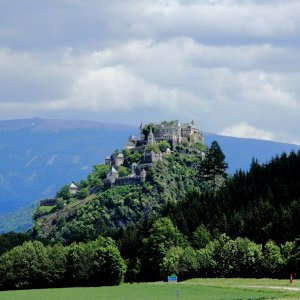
<point>261,204</point>
<point>105,209</point>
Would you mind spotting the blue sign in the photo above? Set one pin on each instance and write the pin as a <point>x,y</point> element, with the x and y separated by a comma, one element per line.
<point>172,279</point>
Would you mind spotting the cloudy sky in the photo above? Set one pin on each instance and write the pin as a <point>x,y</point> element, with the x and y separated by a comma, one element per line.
<point>231,65</point>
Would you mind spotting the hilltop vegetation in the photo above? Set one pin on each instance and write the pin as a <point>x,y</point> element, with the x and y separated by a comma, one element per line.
<point>106,210</point>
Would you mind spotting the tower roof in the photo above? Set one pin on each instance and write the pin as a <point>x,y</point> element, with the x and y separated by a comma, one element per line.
<point>113,170</point>
<point>132,138</point>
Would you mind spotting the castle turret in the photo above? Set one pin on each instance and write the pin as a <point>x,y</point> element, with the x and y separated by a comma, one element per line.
<point>119,160</point>
<point>113,174</point>
<point>141,132</point>
<point>111,178</point>
<point>133,169</point>
<point>150,139</point>
<point>143,176</point>
<point>108,160</point>
<point>131,144</point>
<point>73,188</point>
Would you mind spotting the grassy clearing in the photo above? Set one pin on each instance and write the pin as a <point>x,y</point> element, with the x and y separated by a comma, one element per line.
<point>152,291</point>
<point>235,282</point>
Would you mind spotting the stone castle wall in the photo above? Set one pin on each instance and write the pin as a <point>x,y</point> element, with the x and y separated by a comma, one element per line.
<point>127,181</point>
<point>48,202</point>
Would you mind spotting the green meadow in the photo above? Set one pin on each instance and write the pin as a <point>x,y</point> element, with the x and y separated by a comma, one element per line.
<point>206,289</point>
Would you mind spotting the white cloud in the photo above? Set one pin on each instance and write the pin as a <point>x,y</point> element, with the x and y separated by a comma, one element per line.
<point>84,24</point>
<point>75,159</point>
<point>221,62</point>
<point>51,160</point>
<point>48,190</point>
<point>32,177</point>
<point>34,158</point>
<point>245,130</point>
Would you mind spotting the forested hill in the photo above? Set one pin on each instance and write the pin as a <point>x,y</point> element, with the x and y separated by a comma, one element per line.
<point>261,204</point>
<point>189,218</point>
<point>97,209</point>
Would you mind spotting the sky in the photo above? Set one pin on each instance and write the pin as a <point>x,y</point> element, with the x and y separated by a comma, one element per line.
<point>233,66</point>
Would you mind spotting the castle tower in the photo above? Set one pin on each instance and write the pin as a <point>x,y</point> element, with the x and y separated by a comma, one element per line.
<point>73,188</point>
<point>131,144</point>
<point>141,132</point>
<point>119,160</point>
<point>111,178</point>
<point>133,169</point>
<point>151,139</point>
<point>143,176</point>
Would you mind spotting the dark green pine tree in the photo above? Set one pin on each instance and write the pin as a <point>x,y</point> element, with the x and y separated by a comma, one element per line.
<point>213,167</point>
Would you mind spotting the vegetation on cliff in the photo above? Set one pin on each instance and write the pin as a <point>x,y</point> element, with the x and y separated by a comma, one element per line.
<point>104,210</point>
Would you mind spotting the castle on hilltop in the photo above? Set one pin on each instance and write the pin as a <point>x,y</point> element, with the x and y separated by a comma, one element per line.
<point>156,142</point>
<point>173,132</point>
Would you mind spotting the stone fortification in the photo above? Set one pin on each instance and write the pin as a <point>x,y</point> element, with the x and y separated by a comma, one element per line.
<point>173,132</point>
<point>113,178</point>
<point>48,202</point>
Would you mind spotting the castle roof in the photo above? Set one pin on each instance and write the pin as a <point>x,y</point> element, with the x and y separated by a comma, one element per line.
<point>143,172</point>
<point>113,170</point>
<point>73,186</point>
<point>151,132</point>
<point>132,138</point>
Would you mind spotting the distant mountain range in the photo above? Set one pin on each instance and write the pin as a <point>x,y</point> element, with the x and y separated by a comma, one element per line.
<point>38,156</point>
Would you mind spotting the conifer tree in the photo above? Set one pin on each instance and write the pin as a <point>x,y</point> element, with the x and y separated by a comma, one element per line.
<point>213,167</point>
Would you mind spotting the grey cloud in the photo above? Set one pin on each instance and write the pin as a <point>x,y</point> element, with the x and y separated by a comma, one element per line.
<point>91,23</point>
<point>35,77</point>
<point>223,62</point>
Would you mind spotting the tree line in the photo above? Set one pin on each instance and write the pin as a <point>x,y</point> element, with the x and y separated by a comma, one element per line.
<point>261,204</point>
<point>155,250</point>
<point>34,265</point>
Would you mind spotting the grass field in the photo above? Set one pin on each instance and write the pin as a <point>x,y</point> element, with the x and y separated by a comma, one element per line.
<point>206,289</point>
